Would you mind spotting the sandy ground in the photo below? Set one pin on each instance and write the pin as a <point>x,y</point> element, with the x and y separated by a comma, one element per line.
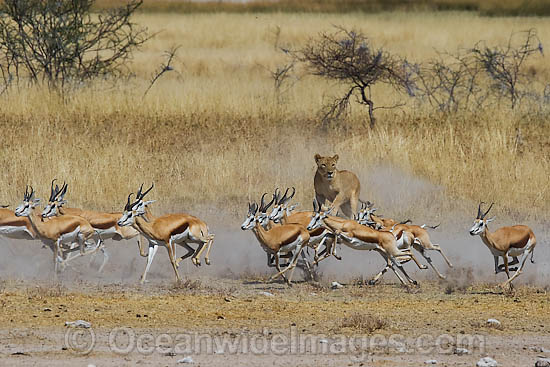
<point>220,322</point>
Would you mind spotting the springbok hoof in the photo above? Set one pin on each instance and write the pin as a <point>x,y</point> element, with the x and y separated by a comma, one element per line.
<point>207,261</point>
<point>371,282</point>
<point>338,257</point>
<point>414,282</point>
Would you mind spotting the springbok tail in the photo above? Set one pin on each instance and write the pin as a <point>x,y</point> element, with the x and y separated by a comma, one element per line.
<point>406,221</point>
<point>532,254</point>
<point>4,206</point>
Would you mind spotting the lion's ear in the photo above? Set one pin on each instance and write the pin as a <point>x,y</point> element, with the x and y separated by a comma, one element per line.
<point>335,158</point>
<point>317,157</point>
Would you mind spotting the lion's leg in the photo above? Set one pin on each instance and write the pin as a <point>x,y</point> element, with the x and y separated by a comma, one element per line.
<point>354,201</point>
<point>337,203</point>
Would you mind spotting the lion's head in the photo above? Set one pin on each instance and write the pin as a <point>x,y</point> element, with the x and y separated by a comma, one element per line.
<point>326,166</point>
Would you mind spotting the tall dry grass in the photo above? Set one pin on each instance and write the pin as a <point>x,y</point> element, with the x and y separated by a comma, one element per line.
<point>214,133</point>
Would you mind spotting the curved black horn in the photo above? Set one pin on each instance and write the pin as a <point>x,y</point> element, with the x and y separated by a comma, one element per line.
<point>61,193</point>
<point>479,210</point>
<point>293,193</point>
<point>483,216</point>
<point>262,202</point>
<point>315,205</point>
<point>283,199</point>
<point>25,196</point>
<point>31,194</point>
<point>128,202</point>
<point>53,191</point>
<point>138,195</point>
<point>264,209</point>
<point>149,189</point>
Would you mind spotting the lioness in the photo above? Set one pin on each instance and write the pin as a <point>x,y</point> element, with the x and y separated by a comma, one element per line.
<point>340,188</point>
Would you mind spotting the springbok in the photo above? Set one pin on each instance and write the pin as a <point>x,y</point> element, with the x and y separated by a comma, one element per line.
<point>277,241</point>
<point>514,241</point>
<point>360,237</point>
<point>58,230</point>
<point>413,236</point>
<point>282,213</point>
<point>12,226</point>
<point>105,224</point>
<point>168,230</point>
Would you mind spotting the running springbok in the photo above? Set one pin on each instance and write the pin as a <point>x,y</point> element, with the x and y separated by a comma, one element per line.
<point>168,230</point>
<point>12,226</point>
<point>282,213</point>
<point>514,241</point>
<point>360,237</point>
<point>277,241</point>
<point>58,230</point>
<point>105,224</point>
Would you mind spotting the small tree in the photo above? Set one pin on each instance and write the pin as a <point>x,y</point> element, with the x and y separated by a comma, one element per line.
<point>61,41</point>
<point>504,65</point>
<point>349,58</point>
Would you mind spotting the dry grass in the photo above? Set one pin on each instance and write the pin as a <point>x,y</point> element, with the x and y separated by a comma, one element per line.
<point>215,133</point>
<point>362,323</point>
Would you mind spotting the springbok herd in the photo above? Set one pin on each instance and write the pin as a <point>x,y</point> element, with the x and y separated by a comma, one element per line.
<point>282,233</point>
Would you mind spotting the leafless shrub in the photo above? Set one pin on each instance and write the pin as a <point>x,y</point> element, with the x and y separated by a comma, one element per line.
<point>363,323</point>
<point>504,66</point>
<point>450,82</point>
<point>60,42</point>
<point>349,58</point>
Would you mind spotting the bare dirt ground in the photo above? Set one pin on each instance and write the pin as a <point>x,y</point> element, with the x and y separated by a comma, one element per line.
<point>383,325</point>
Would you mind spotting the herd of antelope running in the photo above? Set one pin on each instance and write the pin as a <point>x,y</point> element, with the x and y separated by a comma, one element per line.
<point>282,233</point>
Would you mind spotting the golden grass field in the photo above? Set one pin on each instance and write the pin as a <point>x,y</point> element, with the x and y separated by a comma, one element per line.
<point>214,132</point>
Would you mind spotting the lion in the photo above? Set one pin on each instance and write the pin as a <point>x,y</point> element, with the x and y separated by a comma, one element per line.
<point>340,188</point>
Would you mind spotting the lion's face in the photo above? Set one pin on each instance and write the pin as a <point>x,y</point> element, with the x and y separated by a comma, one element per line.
<point>326,166</point>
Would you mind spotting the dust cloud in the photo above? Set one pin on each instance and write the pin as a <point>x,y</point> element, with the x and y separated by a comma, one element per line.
<point>236,253</point>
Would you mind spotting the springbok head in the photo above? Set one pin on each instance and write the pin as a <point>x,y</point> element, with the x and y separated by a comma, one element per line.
<point>29,202</point>
<point>56,200</point>
<point>480,223</point>
<point>281,204</point>
<point>319,214</point>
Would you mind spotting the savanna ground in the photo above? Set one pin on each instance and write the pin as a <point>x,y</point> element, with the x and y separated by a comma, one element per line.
<point>215,133</point>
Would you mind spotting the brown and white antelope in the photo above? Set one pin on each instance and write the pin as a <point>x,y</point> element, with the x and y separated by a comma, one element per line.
<point>168,231</point>
<point>514,241</point>
<point>321,239</point>
<point>105,224</point>
<point>15,227</point>
<point>58,231</point>
<point>360,237</point>
<point>277,241</point>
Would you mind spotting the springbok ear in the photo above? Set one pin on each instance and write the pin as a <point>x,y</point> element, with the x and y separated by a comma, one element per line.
<point>324,208</point>
<point>317,157</point>
<point>329,212</point>
<point>490,219</point>
<point>148,202</point>
<point>61,202</point>
<point>292,207</point>
<point>36,201</point>
<point>335,158</point>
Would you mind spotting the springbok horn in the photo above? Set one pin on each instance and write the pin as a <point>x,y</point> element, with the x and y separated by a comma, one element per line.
<point>315,205</point>
<point>53,192</point>
<point>293,193</point>
<point>262,202</point>
<point>31,194</point>
<point>149,189</point>
<point>128,202</point>
<point>26,193</point>
<point>62,192</point>
<point>283,199</point>
<point>479,210</point>
<point>483,216</point>
<point>138,195</point>
<point>268,205</point>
